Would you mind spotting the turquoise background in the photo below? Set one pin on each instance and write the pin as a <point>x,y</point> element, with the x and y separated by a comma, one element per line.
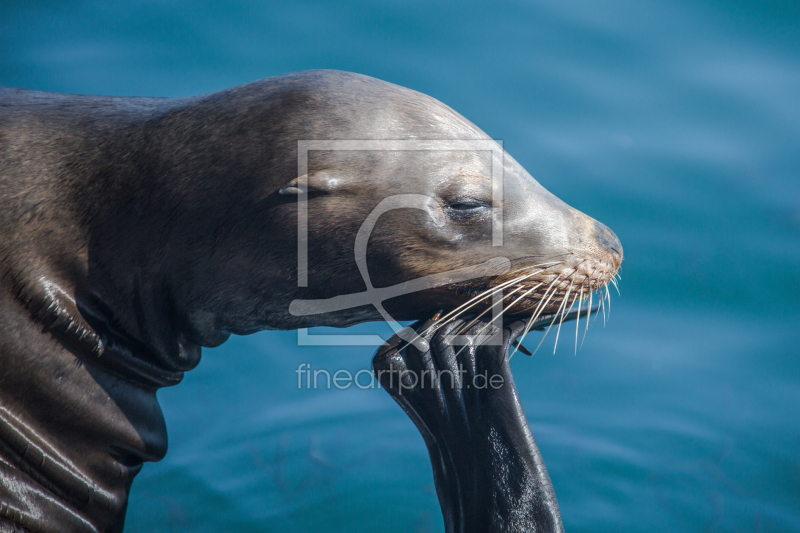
<point>676,123</point>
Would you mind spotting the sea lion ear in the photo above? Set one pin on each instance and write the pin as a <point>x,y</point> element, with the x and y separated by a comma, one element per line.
<point>320,182</point>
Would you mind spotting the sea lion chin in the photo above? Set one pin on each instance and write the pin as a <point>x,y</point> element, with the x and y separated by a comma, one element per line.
<point>137,230</point>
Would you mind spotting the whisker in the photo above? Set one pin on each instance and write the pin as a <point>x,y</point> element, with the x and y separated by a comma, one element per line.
<point>490,292</point>
<point>465,328</point>
<point>499,315</point>
<point>566,299</point>
<point>523,296</point>
<point>558,332</point>
<point>452,315</point>
<point>590,280</point>
<point>578,319</point>
<point>588,311</point>
<point>550,326</point>
<point>542,304</point>
<point>559,310</point>
<point>473,301</point>
<point>602,303</point>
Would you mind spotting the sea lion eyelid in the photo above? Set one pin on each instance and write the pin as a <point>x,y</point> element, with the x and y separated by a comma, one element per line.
<point>467,205</point>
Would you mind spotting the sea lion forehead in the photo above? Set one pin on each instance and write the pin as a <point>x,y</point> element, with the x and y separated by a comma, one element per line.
<point>355,106</point>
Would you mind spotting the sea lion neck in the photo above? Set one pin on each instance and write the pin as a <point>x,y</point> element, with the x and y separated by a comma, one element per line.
<point>146,223</point>
<point>144,200</point>
<point>87,222</point>
<point>180,224</point>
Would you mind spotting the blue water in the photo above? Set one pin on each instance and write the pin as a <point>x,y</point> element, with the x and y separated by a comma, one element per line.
<point>676,123</point>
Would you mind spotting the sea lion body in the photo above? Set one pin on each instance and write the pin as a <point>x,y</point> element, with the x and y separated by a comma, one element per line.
<point>133,231</point>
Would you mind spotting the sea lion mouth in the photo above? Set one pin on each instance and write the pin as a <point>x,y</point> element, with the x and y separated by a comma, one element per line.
<point>542,294</point>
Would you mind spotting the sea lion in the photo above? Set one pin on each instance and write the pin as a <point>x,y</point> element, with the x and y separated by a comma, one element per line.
<point>134,231</point>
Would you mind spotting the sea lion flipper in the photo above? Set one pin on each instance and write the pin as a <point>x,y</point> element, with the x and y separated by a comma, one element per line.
<point>488,471</point>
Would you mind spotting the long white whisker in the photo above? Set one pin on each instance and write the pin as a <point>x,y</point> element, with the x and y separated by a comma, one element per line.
<point>591,290</point>
<point>566,308</point>
<point>499,314</point>
<point>602,303</point>
<point>465,328</point>
<point>578,319</point>
<point>443,321</point>
<point>452,315</point>
<point>523,296</point>
<point>588,311</point>
<point>467,306</point>
<point>563,302</point>
<point>542,304</point>
<point>472,302</point>
<point>490,292</point>
<point>566,299</point>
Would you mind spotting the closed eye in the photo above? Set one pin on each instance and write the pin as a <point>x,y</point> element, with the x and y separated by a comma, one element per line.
<point>468,206</point>
<point>468,211</point>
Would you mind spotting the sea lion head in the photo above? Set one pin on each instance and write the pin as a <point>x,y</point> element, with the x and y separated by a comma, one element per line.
<point>467,202</point>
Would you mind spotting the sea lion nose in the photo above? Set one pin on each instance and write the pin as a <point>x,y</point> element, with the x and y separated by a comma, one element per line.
<point>609,241</point>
